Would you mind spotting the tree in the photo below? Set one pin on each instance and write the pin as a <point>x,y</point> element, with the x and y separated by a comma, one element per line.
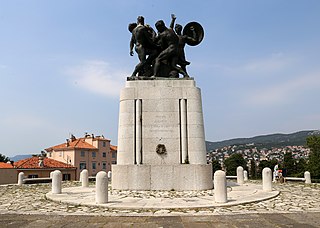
<point>3,158</point>
<point>289,164</point>
<point>313,142</point>
<point>301,167</point>
<point>253,169</point>
<point>266,163</point>
<point>215,166</point>
<point>232,163</point>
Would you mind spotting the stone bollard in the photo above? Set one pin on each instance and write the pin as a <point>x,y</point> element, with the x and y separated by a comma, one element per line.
<point>56,182</point>
<point>245,175</point>
<point>267,179</point>
<point>20,178</point>
<point>240,175</point>
<point>220,187</point>
<point>109,175</point>
<point>307,177</point>
<point>51,173</point>
<point>84,178</point>
<point>101,187</point>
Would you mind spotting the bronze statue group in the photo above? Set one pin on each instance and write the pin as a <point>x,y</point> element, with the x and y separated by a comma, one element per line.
<point>162,54</point>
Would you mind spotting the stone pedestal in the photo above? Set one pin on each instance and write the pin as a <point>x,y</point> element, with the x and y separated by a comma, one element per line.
<point>161,142</point>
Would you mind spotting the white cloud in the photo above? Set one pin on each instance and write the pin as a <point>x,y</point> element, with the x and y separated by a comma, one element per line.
<point>98,77</point>
<point>285,92</point>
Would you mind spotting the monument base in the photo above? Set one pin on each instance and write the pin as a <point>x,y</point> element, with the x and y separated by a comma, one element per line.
<point>161,141</point>
<point>162,177</point>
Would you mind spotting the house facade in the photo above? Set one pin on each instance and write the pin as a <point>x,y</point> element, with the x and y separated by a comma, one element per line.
<point>35,167</point>
<point>8,175</point>
<point>93,153</point>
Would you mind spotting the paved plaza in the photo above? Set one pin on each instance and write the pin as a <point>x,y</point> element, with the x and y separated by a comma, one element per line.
<point>297,205</point>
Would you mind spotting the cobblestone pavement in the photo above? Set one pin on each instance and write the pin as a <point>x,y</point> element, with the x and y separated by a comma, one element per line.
<point>298,205</point>
<point>30,199</point>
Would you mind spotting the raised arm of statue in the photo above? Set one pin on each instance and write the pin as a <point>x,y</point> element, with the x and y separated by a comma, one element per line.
<point>173,19</point>
<point>131,45</point>
<point>131,27</point>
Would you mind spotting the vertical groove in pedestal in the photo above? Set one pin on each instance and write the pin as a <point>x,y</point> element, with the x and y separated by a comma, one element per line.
<point>138,131</point>
<point>183,130</point>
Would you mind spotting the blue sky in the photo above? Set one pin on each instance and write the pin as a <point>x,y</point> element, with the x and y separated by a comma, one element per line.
<point>63,63</point>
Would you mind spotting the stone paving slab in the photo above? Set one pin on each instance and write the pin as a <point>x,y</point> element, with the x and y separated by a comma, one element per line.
<point>85,196</point>
<point>30,200</point>
<point>299,220</point>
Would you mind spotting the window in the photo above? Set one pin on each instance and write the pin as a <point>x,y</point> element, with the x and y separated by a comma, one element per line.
<point>104,144</point>
<point>104,165</point>
<point>114,162</point>
<point>82,153</point>
<point>66,177</point>
<point>113,154</point>
<point>60,154</point>
<point>94,154</point>
<point>83,165</point>
<point>94,165</point>
<point>104,154</point>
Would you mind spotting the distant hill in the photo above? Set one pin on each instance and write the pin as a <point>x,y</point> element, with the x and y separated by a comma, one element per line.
<point>20,157</point>
<point>267,141</point>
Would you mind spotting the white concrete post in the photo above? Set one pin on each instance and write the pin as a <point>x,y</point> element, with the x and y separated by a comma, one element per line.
<point>267,179</point>
<point>51,173</point>
<point>138,131</point>
<point>240,175</point>
<point>183,129</point>
<point>220,187</point>
<point>307,177</point>
<point>84,178</point>
<point>109,175</point>
<point>101,187</point>
<point>245,175</point>
<point>56,182</point>
<point>20,178</point>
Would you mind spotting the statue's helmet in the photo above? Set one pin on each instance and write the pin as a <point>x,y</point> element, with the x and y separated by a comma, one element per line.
<point>132,26</point>
<point>178,28</point>
<point>160,25</point>
<point>140,19</point>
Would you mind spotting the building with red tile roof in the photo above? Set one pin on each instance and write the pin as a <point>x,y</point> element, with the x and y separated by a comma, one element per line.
<point>39,167</point>
<point>8,174</point>
<point>35,167</point>
<point>4,165</point>
<point>93,153</point>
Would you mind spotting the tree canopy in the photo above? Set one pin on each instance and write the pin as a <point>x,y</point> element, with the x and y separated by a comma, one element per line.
<point>232,163</point>
<point>313,142</point>
<point>3,158</point>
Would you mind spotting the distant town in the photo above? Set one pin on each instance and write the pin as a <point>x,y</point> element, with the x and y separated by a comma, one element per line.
<point>251,152</point>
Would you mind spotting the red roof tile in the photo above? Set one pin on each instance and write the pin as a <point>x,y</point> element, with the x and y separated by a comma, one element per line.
<point>113,147</point>
<point>4,165</point>
<point>33,163</point>
<point>76,144</point>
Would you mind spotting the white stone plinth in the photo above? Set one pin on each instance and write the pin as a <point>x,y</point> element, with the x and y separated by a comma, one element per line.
<point>56,182</point>
<point>267,179</point>
<point>240,175</point>
<point>220,187</point>
<point>101,187</point>
<point>162,177</point>
<point>20,178</point>
<point>307,177</point>
<point>84,178</point>
<point>245,175</point>
<point>161,133</point>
